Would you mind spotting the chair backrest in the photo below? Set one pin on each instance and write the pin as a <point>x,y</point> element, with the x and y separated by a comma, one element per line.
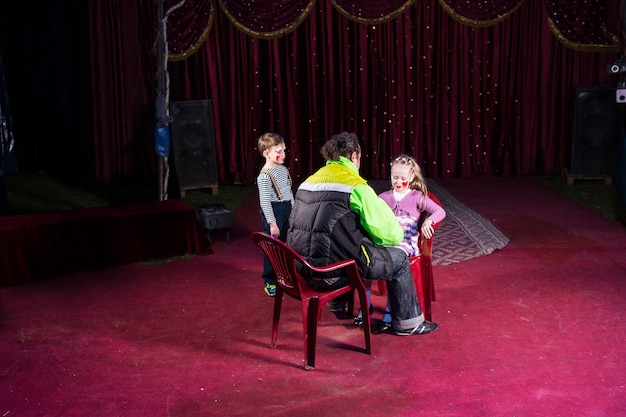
<point>425,245</point>
<point>284,261</point>
<point>436,200</point>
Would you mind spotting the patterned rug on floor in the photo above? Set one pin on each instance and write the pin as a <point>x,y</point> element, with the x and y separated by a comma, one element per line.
<point>463,234</point>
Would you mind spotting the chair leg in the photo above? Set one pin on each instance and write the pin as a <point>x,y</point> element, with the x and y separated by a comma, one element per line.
<point>427,268</point>
<point>382,287</point>
<point>278,301</point>
<point>422,285</point>
<point>310,312</point>
<point>426,294</point>
<point>432,284</point>
<point>365,311</point>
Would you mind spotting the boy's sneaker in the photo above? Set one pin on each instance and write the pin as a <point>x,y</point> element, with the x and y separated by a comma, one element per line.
<point>270,289</point>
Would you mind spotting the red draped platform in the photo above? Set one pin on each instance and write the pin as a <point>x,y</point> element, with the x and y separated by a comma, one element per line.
<point>46,244</point>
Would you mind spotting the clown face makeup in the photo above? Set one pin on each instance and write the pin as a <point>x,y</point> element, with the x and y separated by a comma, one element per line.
<point>276,154</point>
<point>401,177</point>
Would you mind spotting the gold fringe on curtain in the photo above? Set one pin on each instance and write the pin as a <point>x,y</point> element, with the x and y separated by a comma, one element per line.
<point>269,34</point>
<point>374,21</point>
<point>194,47</point>
<point>613,46</point>
<point>478,23</point>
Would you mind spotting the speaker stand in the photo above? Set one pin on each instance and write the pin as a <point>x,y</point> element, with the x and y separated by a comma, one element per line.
<point>213,189</point>
<point>608,180</point>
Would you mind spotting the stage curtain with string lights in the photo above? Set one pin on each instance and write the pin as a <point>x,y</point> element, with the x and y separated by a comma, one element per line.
<point>469,88</point>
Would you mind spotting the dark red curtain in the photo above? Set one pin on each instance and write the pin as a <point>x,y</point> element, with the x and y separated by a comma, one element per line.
<point>486,91</point>
<point>121,33</point>
<point>482,88</point>
<point>469,88</point>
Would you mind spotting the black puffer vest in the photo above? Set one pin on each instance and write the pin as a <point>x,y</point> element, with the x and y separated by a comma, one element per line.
<point>324,228</point>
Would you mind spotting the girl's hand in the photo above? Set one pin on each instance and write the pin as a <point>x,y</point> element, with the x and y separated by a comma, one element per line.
<point>427,229</point>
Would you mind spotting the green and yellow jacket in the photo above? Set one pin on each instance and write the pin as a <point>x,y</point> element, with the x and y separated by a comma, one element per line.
<point>338,216</point>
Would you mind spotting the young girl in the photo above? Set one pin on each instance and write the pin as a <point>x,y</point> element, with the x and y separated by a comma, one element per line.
<point>275,197</point>
<point>408,199</point>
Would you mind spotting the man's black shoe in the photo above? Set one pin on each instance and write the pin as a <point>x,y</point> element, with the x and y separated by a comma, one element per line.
<point>422,328</point>
<point>385,327</point>
<point>338,305</point>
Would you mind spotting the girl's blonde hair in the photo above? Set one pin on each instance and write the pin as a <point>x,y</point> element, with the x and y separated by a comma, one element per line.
<point>418,182</point>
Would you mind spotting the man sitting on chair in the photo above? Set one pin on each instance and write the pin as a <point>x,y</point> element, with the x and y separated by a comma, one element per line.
<point>338,216</point>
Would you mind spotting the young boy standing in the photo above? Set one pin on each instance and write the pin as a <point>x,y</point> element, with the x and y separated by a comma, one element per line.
<point>275,197</point>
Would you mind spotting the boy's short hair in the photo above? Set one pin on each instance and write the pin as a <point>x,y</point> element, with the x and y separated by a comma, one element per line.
<point>267,140</point>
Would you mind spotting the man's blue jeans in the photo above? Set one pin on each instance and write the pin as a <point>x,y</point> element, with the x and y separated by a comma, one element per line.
<point>406,313</point>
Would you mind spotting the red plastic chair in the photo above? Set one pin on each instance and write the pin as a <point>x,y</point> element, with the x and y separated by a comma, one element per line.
<point>284,260</point>
<point>422,269</point>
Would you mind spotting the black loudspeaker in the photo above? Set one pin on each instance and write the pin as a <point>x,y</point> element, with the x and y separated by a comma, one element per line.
<point>596,128</point>
<point>193,143</point>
